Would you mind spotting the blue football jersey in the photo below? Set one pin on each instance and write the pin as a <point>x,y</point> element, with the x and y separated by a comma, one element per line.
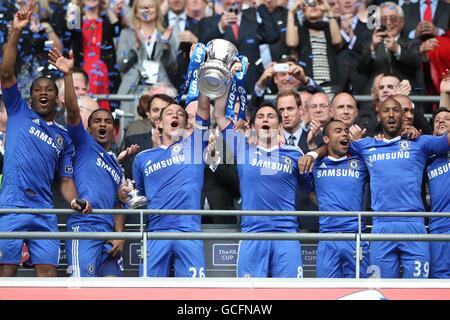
<point>339,185</point>
<point>396,169</point>
<point>268,180</point>
<point>97,176</point>
<point>438,172</point>
<point>171,177</point>
<point>35,152</point>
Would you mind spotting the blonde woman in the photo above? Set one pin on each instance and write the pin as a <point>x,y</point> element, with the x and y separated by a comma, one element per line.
<point>144,54</point>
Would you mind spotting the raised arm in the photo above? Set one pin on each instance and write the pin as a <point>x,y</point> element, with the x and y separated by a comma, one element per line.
<point>219,111</point>
<point>66,67</point>
<point>445,92</point>
<point>292,38</point>
<point>335,31</point>
<point>21,20</point>
<point>204,107</point>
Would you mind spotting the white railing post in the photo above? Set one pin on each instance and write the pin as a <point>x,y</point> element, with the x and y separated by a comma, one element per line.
<point>358,248</point>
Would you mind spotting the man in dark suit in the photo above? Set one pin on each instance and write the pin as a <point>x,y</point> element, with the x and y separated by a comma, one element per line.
<point>355,33</point>
<point>296,134</point>
<point>221,184</point>
<point>426,18</point>
<point>185,29</point>
<point>246,29</point>
<point>390,50</point>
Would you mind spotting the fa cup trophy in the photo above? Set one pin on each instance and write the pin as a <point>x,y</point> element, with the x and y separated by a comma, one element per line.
<point>215,74</point>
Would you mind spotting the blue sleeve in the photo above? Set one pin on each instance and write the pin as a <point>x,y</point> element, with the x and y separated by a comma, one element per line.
<point>13,99</point>
<point>306,180</point>
<point>78,134</point>
<point>201,127</point>
<point>434,145</point>
<point>234,141</point>
<point>355,147</point>
<point>65,167</point>
<point>138,176</point>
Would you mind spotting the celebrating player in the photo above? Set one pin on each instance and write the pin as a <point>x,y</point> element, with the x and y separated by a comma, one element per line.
<point>439,182</point>
<point>97,176</point>
<point>37,149</point>
<point>339,183</point>
<point>171,177</point>
<point>396,166</point>
<point>268,175</point>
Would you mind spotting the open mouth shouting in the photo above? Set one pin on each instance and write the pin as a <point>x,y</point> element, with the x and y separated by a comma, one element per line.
<point>43,101</point>
<point>443,127</point>
<point>344,142</point>
<point>174,124</point>
<point>102,133</point>
<point>265,127</point>
<point>391,123</point>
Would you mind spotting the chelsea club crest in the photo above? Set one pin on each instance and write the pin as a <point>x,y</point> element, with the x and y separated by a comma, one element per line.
<point>353,164</point>
<point>177,149</point>
<point>287,160</point>
<point>59,141</point>
<point>405,145</point>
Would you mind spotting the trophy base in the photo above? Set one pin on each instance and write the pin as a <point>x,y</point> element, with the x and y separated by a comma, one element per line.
<point>137,202</point>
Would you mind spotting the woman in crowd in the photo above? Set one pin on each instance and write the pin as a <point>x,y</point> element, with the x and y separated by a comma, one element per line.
<point>144,54</point>
<point>316,41</point>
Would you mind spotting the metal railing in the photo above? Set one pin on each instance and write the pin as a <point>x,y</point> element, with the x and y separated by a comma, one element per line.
<point>359,98</point>
<point>144,236</point>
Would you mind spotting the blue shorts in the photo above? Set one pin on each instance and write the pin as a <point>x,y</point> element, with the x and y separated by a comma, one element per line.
<point>386,256</point>
<point>440,258</point>
<point>90,258</point>
<point>41,251</point>
<point>186,256</point>
<point>274,258</point>
<point>336,259</point>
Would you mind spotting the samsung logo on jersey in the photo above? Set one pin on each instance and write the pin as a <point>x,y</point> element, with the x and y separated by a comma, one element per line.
<point>44,137</point>
<point>439,171</point>
<point>389,156</point>
<point>102,164</point>
<point>338,173</point>
<point>272,165</point>
<point>163,164</point>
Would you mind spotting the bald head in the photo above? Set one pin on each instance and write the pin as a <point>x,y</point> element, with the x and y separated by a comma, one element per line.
<point>87,106</point>
<point>343,107</point>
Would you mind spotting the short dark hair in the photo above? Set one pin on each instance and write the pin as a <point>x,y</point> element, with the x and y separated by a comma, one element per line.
<point>91,117</point>
<point>287,59</point>
<point>263,105</point>
<point>437,111</point>
<point>326,127</point>
<point>298,99</point>
<point>39,79</point>
<point>174,102</point>
<point>84,73</point>
<point>145,102</point>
